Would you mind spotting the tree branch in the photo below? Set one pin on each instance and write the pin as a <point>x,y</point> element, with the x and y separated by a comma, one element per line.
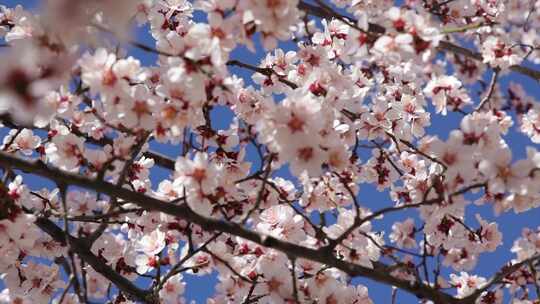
<point>82,250</point>
<point>379,273</point>
<point>443,46</point>
<point>501,274</point>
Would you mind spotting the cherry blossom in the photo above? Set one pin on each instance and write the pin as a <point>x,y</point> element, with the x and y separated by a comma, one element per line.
<point>466,284</point>
<point>403,234</point>
<point>531,125</point>
<point>280,221</point>
<point>498,54</point>
<point>65,151</point>
<point>446,91</point>
<point>24,141</point>
<point>150,245</point>
<point>527,245</point>
<point>173,289</point>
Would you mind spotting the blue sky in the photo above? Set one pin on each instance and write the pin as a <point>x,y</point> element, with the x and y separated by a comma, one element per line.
<point>510,224</point>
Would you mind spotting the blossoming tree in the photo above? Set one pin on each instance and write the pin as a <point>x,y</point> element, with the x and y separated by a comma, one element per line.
<point>271,205</point>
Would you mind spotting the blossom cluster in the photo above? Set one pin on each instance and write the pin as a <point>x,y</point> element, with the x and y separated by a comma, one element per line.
<point>275,202</point>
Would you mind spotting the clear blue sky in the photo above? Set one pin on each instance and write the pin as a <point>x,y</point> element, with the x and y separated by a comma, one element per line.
<point>510,224</point>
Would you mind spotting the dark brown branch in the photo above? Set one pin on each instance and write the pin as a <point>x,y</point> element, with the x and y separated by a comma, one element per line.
<point>160,159</point>
<point>268,72</point>
<point>443,46</point>
<point>456,49</point>
<point>325,13</point>
<point>250,292</point>
<point>499,276</point>
<point>82,250</point>
<point>379,273</point>
<point>358,223</point>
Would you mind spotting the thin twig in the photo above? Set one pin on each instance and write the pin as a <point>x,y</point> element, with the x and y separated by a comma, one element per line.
<point>491,89</point>
<point>261,190</point>
<point>63,198</point>
<point>293,278</point>
<point>66,289</point>
<point>394,295</point>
